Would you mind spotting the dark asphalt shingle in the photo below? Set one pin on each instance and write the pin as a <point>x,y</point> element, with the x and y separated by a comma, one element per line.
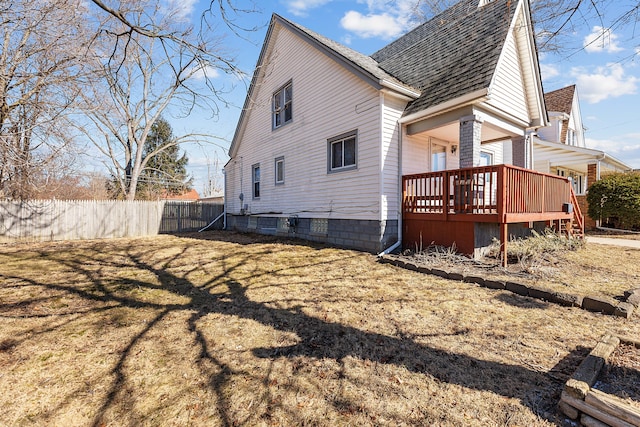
<point>451,55</point>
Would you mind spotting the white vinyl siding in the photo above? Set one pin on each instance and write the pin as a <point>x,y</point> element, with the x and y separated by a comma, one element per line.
<point>496,149</point>
<point>508,86</point>
<point>418,152</point>
<point>552,132</point>
<point>390,194</point>
<point>329,101</point>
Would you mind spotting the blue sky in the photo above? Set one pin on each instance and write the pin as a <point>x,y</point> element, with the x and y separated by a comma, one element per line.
<point>603,64</point>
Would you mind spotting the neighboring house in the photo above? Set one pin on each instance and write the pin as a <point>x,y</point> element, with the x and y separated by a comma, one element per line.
<point>560,148</point>
<point>216,197</point>
<point>188,196</point>
<point>406,144</point>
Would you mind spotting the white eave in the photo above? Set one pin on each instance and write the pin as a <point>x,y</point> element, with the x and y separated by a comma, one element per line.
<point>413,94</point>
<point>475,97</point>
<point>558,154</point>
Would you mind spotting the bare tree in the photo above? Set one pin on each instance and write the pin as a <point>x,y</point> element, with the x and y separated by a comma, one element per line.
<point>146,60</point>
<point>555,20</point>
<point>42,44</point>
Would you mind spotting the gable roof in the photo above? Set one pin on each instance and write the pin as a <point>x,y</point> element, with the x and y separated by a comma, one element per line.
<point>349,57</point>
<point>560,100</point>
<point>362,65</point>
<point>453,54</point>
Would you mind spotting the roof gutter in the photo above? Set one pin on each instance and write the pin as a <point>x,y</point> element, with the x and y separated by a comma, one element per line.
<point>470,98</point>
<point>599,155</point>
<point>400,89</point>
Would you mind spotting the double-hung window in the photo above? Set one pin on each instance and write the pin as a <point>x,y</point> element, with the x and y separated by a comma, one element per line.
<point>282,106</point>
<point>255,179</point>
<point>279,170</point>
<point>342,152</point>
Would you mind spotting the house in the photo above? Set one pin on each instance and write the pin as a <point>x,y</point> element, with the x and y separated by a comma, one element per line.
<point>407,145</point>
<point>188,196</point>
<point>560,148</point>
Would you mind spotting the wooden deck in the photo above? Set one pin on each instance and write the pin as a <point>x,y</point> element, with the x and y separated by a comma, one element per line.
<point>436,204</point>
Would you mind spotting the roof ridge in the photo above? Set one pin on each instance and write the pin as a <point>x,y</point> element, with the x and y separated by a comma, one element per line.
<point>364,62</point>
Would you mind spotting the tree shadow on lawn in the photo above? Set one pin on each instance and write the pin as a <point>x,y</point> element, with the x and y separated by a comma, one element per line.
<point>317,338</point>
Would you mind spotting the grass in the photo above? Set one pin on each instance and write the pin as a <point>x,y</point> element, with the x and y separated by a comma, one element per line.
<point>227,329</point>
<point>551,261</point>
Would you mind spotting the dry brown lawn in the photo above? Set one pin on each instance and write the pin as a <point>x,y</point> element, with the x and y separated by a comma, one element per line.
<point>593,270</point>
<point>222,329</point>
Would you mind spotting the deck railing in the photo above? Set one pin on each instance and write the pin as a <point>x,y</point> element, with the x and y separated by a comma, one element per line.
<point>498,191</point>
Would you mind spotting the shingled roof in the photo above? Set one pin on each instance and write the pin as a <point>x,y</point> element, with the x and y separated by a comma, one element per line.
<point>560,100</point>
<point>451,55</point>
<point>365,63</point>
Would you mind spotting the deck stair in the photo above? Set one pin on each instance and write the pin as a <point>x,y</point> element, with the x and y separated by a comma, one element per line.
<point>576,224</point>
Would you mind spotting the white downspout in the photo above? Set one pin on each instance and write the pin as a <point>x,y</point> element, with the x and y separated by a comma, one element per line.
<point>224,209</point>
<point>397,244</point>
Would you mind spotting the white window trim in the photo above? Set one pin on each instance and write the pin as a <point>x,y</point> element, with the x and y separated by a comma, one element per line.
<point>281,161</point>
<point>281,110</point>
<point>341,138</point>
<point>254,182</point>
<point>442,149</point>
<point>490,155</point>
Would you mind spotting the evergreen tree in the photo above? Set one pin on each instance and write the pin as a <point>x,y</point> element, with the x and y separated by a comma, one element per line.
<point>165,173</point>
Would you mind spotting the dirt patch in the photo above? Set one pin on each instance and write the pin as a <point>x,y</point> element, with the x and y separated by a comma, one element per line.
<point>585,270</point>
<point>223,329</point>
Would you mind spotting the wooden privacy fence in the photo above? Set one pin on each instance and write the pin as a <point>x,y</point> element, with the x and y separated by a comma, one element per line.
<point>42,220</point>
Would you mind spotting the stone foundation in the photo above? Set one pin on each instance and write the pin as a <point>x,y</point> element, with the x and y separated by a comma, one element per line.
<point>365,235</point>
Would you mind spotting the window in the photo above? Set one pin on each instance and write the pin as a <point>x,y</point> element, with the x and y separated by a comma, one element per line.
<point>486,159</point>
<point>438,157</point>
<point>279,172</point>
<point>571,137</point>
<point>255,179</point>
<point>282,106</point>
<point>342,152</point>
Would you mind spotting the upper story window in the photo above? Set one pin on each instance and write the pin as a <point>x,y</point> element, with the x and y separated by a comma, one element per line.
<point>342,152</point>
<point>255,179</point>
<point>571,137</point>
<point>282,106</point>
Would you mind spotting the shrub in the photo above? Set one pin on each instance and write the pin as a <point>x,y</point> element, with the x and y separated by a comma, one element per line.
<point>616,196</point>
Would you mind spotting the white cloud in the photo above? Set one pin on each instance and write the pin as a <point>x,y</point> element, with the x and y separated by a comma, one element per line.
<point>301,7</point>
<point>372,25</point>
<point>549,71</point>
<point>606,82</point>
<point>181,8</point>
<point>205,71</point>
<point>625,148</point>
<point>381,20</point>
<point>601,40</point>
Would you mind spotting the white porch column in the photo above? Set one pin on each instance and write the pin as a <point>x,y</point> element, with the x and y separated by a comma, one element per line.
<point>470,140</point>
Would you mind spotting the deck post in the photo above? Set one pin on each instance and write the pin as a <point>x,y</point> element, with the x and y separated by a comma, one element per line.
<point>445,195</point>
<point>503,242</point>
